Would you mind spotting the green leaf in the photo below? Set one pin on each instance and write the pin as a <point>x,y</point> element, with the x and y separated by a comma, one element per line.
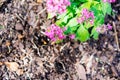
<point>96,9</point>
<point>61,15</point>
<point>71,26</point>
<point>106,8</point>
<point>95,36</point>
<point>87,25</point>
<point>71,30</point>
<point>99,19</point>
<point>82,34</point>
<point>83,0</point>
<point>59,23</point>
<point>64,20</point>
<point>73,22</point>
<point>85,5</point>
<point>94,33</point>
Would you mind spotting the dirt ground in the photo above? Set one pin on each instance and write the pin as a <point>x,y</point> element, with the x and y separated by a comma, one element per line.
<point>27,54</point>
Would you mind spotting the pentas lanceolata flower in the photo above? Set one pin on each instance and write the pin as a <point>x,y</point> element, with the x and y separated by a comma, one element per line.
<point>55,33</point>
<point>86,16</point>
<point>57,6</point>
<point>104,28</point>
<point>78,19</point>
<point>110,1</point>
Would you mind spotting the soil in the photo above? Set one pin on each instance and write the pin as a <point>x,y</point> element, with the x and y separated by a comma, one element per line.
<point>27,54</point>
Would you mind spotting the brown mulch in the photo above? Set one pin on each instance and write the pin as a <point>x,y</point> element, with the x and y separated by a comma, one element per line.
<point>26,53</point>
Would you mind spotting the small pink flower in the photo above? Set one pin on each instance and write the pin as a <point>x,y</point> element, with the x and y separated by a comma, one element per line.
<point>104,28</point>
<point>91,22</point>
<point>86,16</point>
<point>72,36</point>
<point>109,26</point>
<point>55,33</point>
<point>57,6</point>
<point>98,29</point>
<point>80,20</point>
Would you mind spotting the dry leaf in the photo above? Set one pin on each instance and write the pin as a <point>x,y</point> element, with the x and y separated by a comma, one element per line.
<point>89,63</point>
<point>80,71</point>
<point>119,17</point>
<point>12,66</point>
<point>20,36</point>
<point>19,26</point>
<point>39,1</point>
<point>1,63</point>
<point>7,43</point>
<point>1,2</point>
<point>84,59</point>
<point>19,71</point>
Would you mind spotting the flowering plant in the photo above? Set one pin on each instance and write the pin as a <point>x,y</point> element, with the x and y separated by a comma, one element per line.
<point>80,19</point>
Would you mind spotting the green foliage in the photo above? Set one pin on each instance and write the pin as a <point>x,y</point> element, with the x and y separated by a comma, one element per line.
<point>69,18</point>
<point>82,34</point>
<point>106,8</point>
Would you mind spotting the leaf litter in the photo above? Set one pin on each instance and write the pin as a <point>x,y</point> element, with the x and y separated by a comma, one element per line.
<point>26,53</point>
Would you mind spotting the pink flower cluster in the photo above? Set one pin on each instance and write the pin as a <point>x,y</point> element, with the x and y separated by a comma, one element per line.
<point>86,16</point>
<point>104,28</point>
<point>55,33</point>
<point>57,6</point>
<point>110,1</point>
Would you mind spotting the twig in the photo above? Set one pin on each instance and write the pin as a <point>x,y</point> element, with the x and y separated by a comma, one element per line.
<point>42,11</point>
<point>19,17</point>
<point>116,37</point>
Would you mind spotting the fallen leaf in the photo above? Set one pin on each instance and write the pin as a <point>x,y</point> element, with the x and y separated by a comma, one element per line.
<point>84,59</point>
<point>39,1</point>
<point>81,73</point>
<point>1,63</point>
<point>20,36</point>
<point>89,63</point>
<point>12,66</point>
<point>19,71</point>
<point>119,17</point>
<point>19,26</point>
<point>7,43</point>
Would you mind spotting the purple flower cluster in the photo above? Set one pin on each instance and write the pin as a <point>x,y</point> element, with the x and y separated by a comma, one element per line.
<point>110,1</point>
<point>104,28</point>
<point>55,33</point>
<point>57,6</point>
<point>86,16</point>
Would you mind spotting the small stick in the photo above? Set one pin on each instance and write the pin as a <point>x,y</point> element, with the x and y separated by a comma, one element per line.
<point>42,11</point>
<point>116,37</point>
